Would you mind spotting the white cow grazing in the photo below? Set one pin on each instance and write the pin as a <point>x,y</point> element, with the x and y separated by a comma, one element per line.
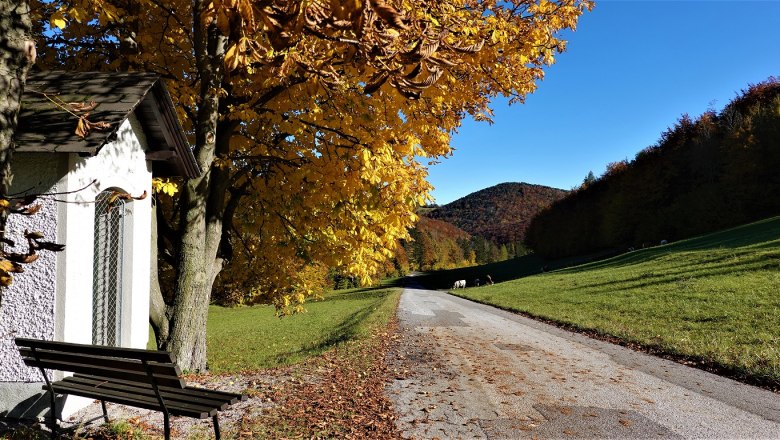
<point>460,284</point>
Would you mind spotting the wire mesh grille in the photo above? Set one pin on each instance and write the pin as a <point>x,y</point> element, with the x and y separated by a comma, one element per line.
<point>107,281</point>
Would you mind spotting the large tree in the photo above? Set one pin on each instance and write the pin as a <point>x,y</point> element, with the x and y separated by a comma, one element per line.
<point>308,119</point>
<point>17,54</point>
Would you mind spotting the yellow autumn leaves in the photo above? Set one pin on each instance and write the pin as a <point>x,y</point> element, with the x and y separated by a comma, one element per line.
<point>333,110</point>
<point>348,173</point>
<point>164,186</point>
<point>85,10</point>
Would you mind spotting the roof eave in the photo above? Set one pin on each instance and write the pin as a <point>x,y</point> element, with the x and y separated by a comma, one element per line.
<point>174,133</point>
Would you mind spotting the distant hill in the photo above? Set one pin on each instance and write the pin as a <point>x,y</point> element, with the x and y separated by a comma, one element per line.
<point>434,245</point>
<point>440,230</point>
<point>500,213</point>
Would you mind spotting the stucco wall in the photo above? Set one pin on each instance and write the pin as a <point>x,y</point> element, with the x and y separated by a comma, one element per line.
<point>34,310</point>
<point>28,305</point>
<point>119,165</point>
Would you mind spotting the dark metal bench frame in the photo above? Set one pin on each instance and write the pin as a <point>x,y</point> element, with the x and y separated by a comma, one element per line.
<point>134,377</point>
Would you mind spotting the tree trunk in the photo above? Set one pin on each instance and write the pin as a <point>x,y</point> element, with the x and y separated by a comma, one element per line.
<point>200,224</point>
<point>198,266</point>
<point>17,54</point>
<point>192,291</point>
<point>159,313</point>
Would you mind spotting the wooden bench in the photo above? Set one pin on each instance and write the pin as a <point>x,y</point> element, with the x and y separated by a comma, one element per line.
<point>140,378</point>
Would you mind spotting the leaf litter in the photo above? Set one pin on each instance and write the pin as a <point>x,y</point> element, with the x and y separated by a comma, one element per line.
<point>339,394</point>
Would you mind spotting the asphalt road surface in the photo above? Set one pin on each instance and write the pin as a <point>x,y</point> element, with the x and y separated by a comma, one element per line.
<point>465,370</point>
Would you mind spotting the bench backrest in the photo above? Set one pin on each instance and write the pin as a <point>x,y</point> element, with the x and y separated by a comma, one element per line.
<point>128,364</point>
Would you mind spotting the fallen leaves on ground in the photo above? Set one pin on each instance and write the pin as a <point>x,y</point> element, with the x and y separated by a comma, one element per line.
<point>337,395</point>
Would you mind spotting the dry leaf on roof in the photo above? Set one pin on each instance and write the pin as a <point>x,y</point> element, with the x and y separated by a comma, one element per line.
<point>85,126</point>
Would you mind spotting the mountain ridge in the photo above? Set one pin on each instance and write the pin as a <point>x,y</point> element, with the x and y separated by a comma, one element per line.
<point>499,213</point>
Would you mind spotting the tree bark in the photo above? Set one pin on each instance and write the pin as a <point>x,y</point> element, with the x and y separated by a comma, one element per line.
<point>200,223</point>
<point>159,312</point>
<point>17,54</point>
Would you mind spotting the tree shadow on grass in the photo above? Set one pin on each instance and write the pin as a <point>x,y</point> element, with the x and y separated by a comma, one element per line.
<point>348,329</point>
<point>703,269</point>
<point>763,234</point>
<point>759,236</point>
<point>362,293</point>
<point>501,271</point>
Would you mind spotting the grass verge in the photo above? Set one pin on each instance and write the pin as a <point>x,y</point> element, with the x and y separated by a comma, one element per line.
<point>713,301</point>
<point>252,338</point>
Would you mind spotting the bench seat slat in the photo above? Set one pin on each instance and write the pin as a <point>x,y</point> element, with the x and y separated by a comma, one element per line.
<point>133,399</point>
<point>134,376</point>
<point>168,394</point>
<point>202,391</point>
<point>231,398</point>
<point>43,355</point>
<point>100,350</point>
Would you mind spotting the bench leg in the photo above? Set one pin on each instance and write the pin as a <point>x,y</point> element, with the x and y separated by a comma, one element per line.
<point>105,411</point>
<point>167,422</point>
<point>216,427</point>
<point>53,421</point>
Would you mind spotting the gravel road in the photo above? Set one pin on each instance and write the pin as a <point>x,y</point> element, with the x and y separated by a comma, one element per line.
<point>466,370</point>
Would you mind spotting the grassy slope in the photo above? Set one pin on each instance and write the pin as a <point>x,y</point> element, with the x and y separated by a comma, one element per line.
<point>714,298</point>
<point>250,338</point>
<point>501,271</point>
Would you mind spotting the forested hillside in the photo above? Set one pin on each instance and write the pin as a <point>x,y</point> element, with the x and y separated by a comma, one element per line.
<point>438,245</point>
<point>500,213</point>
<point>702,175</point>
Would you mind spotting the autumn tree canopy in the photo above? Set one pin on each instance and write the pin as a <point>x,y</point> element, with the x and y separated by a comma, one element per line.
<point>308,119</point>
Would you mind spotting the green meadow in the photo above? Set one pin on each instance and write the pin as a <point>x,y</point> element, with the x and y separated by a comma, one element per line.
<point>252,338</point>
<point>713,299</point>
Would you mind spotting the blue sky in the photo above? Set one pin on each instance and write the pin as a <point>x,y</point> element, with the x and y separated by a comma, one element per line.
<point>631,70</point>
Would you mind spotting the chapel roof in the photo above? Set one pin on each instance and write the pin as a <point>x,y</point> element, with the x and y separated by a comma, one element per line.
<point>45,127</point>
